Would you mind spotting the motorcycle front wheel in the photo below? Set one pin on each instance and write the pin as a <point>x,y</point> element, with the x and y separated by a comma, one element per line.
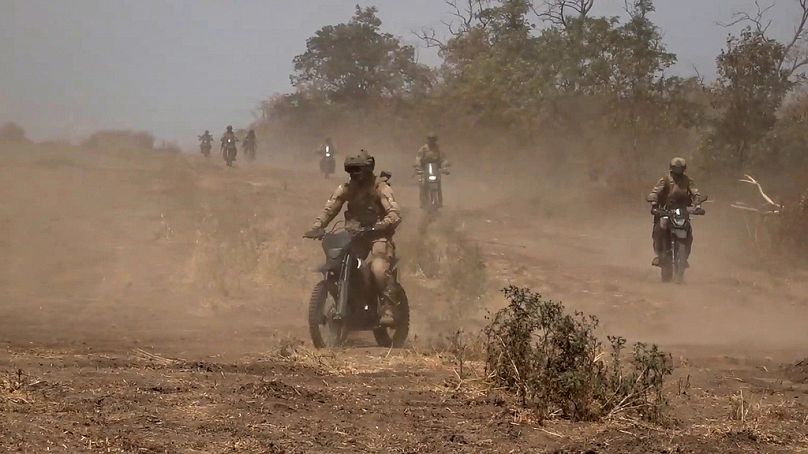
<point>324,329</point>
<point>396,336</point>
<point>679,264</point>
<point>433,201</point>
<point>666,267</point>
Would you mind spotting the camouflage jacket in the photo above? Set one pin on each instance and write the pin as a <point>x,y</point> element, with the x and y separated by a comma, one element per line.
<point>372,205</point>
<point>670,193</point>
<point>230,135</point>
<point>427,154</point>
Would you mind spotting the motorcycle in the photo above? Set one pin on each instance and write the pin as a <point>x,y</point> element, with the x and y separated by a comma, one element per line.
<point>229,151</point>
<point>327,162</point>
<point>673,262</point>
<point>343,302</point>
<point>249,150</point>
<point>432,186</point>
<point>205,147</point>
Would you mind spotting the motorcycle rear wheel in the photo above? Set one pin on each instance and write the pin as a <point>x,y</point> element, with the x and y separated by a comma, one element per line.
<point>325,331</point>
<point>396,337</point>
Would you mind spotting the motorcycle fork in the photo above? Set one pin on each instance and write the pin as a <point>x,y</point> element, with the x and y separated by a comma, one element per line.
<point>345,286</point>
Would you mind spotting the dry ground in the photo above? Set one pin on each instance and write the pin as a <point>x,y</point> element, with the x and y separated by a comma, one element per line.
<point>155,303</point>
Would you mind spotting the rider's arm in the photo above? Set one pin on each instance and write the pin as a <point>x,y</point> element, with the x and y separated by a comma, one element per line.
<point>658,191</point>
<point>392,212</point>
<point>695,195</point>
<point>331,209</point>
<point>419,157</point>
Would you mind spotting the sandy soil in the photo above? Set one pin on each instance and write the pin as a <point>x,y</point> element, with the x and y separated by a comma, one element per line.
<point>155,303</point>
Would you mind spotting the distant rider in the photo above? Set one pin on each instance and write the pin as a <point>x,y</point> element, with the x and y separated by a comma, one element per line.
<point>672,191</point>
<point>373,211</point>
<point>429,153</point>
<point>229,134</point>
<point>327,149</point>
<point>205,142</point>
<point>206,138</point>
<point>250,142</point>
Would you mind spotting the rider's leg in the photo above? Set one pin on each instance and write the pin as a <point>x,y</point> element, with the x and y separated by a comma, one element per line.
<point>659,235</point>
<point>381,257</point>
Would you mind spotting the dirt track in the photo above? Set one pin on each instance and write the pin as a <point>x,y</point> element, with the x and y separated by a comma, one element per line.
<point>111,258</point>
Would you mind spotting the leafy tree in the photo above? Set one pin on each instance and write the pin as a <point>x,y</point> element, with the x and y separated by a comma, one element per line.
<point>355,62</point>
<point>750,89</point>
<point>755,73</point>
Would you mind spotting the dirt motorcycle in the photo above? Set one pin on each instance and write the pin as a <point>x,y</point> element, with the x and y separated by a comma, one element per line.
<point>229,151</point>
<point>431,175</point>
<point>249,150</point>
<point>343,302</point>
<point>673,262</point>
<point>327,162</point>
<point>205,148</point>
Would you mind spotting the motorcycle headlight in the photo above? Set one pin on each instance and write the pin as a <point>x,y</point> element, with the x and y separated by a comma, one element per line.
<point>328,155</point>
<point>433,178</point>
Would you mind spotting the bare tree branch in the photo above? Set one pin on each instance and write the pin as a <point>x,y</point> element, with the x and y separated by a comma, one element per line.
<point>465,15</point>
<point>758,20</point>
<point>793,58</point>
<point>430,38</point>
<point>556,11</point>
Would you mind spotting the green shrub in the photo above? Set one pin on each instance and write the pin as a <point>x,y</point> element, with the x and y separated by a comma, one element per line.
<point>553,362</point>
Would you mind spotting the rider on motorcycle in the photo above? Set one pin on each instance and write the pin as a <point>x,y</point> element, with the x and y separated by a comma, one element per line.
<point>206,138</point>
<point>328,145</point>
<point>229,134</point>
<point>672,191</point>
<point>250,140</point>
<point>373,213</point>
<point>428,154</point>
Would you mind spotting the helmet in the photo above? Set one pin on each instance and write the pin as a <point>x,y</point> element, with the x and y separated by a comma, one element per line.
<point>207,132</point>
<point>360,161</point>
<point>229,128</point>
<point>432,137</point>
<point>678,166</point>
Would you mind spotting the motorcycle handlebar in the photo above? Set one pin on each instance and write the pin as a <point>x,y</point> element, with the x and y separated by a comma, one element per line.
<point>696,211</point>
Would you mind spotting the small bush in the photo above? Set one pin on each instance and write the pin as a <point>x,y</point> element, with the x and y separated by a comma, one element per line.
<point>554,363</point>
<point>12,133</point>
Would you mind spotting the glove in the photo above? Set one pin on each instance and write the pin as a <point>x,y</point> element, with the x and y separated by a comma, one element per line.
<point>315,233</point>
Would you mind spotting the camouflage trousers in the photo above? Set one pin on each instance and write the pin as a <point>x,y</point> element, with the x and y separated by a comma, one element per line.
<point>378,268</point>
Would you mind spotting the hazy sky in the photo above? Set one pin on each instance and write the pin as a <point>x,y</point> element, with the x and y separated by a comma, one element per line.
<point>70,67</point>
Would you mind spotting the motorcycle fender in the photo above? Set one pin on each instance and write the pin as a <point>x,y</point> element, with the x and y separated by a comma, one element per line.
<point>680,233</point>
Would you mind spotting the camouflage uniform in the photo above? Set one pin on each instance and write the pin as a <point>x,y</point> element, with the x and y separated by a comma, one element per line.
<point>670,193</point>
<point>371,204</point>
<point>230,135</point>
